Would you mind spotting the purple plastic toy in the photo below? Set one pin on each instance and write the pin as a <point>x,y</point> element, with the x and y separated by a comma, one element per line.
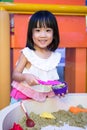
<point>60,90</point>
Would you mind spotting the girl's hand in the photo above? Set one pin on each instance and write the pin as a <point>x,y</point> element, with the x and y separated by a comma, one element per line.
<point>63,95</point>
<point>31,79</point>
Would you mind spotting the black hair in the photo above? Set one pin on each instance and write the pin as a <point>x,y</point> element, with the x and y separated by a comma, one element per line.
<point>45,18</point>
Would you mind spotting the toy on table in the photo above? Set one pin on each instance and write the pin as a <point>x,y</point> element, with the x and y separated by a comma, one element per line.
<point>57,86</point>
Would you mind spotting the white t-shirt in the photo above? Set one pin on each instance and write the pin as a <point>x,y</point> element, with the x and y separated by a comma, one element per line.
<point>45,69</point>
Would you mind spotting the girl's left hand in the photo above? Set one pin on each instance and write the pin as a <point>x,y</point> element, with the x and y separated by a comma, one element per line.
<point>62,95</point>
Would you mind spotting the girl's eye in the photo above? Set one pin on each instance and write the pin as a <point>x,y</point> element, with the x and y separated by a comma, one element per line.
<point>37,30</point>
<point>48,30</point>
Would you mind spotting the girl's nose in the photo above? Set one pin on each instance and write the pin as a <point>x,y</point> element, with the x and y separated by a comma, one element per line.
<point>43,33</point>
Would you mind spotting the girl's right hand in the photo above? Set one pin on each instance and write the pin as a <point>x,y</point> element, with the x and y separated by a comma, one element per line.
<point>31,79</point>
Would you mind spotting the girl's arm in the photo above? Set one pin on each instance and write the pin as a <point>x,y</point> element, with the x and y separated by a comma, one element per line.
<point>19,76</point>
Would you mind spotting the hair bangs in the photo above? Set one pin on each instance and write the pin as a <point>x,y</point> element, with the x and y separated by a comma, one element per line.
<point>42,22</point>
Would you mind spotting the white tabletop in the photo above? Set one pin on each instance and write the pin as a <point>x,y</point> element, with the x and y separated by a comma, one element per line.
<point>52,103</point>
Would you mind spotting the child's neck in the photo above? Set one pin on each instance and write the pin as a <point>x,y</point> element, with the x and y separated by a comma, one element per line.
<point>43,53</point>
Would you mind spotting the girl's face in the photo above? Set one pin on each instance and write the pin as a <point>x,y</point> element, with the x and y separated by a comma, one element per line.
<point>42,36</point>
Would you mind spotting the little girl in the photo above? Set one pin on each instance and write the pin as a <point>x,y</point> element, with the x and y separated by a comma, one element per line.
<point>38,60</point>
